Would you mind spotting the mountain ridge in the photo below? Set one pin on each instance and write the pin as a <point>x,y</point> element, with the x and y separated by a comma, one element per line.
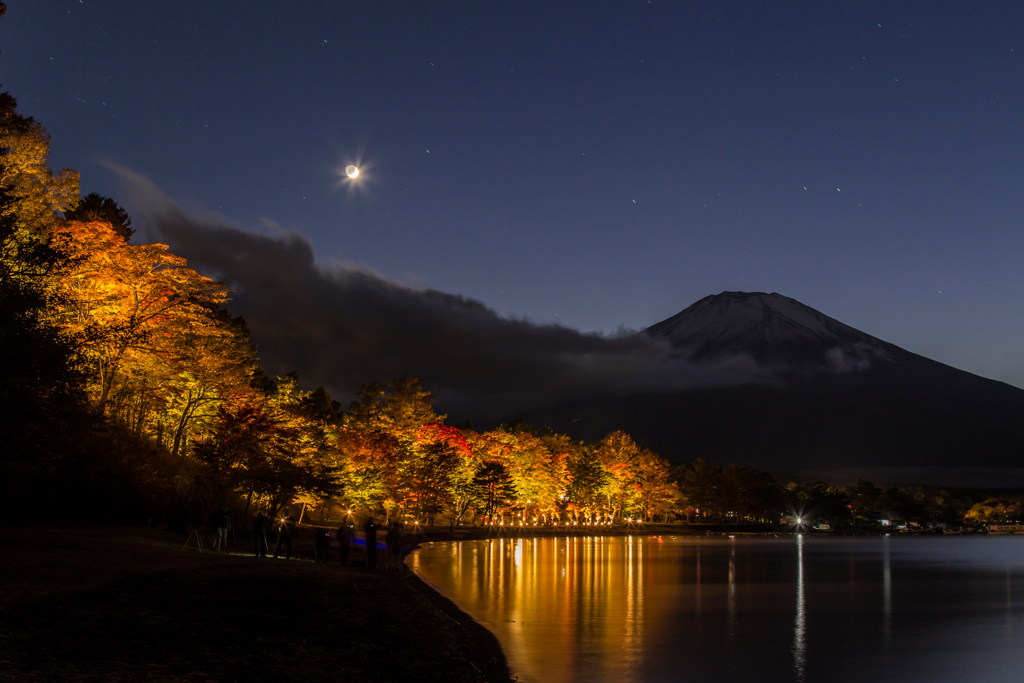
<point>844,399</point>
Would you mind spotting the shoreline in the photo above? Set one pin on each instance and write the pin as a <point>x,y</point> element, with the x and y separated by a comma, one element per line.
<point>133,603</point>
<point>138,602</point>
<point>490,657</point>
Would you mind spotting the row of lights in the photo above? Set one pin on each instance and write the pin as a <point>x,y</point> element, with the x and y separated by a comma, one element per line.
<point>576,522</point>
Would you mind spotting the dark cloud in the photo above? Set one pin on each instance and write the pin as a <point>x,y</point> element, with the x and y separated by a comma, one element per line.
<point>342,326</point>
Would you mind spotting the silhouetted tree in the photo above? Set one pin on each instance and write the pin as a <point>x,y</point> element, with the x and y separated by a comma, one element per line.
<point>494,484</point>
<point>700,482</point>
<point>863,496</point>
<point>95,207</point>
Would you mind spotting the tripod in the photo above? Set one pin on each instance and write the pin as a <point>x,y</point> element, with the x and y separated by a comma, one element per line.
<point>199,540</point>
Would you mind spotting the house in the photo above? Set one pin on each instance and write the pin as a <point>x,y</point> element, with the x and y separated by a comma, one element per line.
<point>886,518</point>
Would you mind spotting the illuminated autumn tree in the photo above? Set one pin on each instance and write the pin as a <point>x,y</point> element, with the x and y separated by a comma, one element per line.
<point>131,303</point>
<point>378,433</point>
<point>538,475</point>
<point>234,447</point>
<point>208,364</point>
<point>438,467</point>
<point>39,382</point>
<point>399,407</point>
<point>265,453</point>
<point>464,494</point>
<point>653,493</point>
<point>616,452</point>
<point>587,479</point>
<point>34,193</point>
<point>317,443</point>
<point>562,449</point>
<point>371,463</point>
<point>995,511</point>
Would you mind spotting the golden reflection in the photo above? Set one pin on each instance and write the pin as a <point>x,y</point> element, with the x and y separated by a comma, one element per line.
<point>553,601</point>
<point>697,585</point>
<point>631,609</point>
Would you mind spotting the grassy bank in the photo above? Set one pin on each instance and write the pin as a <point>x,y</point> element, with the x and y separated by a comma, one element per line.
<point>133,604</point>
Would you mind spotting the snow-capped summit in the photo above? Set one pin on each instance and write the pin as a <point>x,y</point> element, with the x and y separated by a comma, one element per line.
<point>767,326</point>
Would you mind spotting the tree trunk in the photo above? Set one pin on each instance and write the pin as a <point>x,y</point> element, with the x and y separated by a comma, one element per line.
<point>247,502</point>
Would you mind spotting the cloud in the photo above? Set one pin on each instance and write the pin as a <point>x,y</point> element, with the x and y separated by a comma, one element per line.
<point>343,325</point>
<point>853,357</point>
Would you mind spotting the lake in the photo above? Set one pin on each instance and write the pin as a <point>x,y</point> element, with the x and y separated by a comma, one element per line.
<point>744,608</point>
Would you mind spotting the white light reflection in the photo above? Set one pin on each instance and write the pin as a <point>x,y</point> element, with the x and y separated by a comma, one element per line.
<point>886,593</point>
<point>731,599</point>
<point>800,623</point>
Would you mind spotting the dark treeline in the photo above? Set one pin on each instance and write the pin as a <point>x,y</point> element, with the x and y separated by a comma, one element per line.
<point>735,493</point>
<point>127,391</point>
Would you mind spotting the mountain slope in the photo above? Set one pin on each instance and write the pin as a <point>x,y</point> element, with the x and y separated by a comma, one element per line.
<point>742,319</point>
<point>842,399</point>
<point>770,328</point>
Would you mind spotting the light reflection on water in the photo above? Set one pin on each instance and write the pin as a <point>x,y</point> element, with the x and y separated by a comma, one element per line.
<point>800,624</point>
<point>743,609</point>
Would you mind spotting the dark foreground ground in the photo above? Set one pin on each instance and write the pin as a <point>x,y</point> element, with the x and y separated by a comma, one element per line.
<point>131,604</point>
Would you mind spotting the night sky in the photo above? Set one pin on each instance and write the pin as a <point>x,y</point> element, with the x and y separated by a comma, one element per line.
<point>596,166</point>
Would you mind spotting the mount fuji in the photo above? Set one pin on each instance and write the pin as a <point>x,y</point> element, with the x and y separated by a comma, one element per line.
<point>838,403</point>
<point>770,328</point>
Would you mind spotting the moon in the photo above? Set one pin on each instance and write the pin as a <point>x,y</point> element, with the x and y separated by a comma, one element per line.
<point>352,171</point>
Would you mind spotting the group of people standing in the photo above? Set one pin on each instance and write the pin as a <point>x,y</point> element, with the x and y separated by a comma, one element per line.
<point>392,544</point>
<point>345,535</point>
<point>261,525</point>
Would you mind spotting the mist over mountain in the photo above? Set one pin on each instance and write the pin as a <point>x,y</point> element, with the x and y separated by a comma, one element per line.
<point>841,400</point>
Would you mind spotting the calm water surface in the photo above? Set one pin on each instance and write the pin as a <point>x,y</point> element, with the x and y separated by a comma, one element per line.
<point>801,608</point>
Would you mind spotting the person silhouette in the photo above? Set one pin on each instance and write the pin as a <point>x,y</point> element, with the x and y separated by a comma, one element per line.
<point>223,528</point>
<point>345,532</point>
<point>370,531</point>
<point>321,545</point>
<point>393,541</point>
<point>284,537</point>
<point>259,535</point>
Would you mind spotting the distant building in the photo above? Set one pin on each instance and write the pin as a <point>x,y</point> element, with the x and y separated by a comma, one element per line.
<point>885,518</point>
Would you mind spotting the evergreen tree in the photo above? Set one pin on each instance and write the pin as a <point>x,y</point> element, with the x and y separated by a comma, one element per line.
<point>95,207</point>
